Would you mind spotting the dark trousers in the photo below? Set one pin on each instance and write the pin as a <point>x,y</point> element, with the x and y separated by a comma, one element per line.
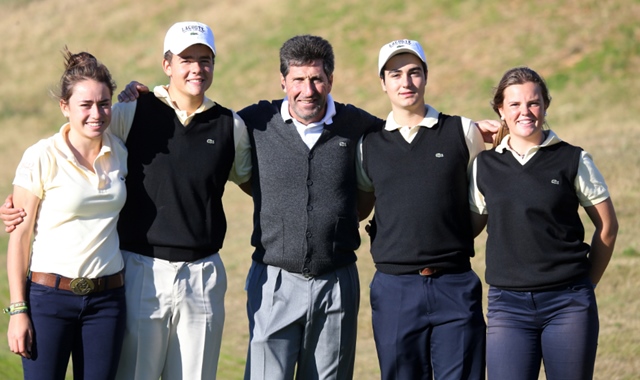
<point>559,327</point>
<point>426,327</point>
<point>90,328</point>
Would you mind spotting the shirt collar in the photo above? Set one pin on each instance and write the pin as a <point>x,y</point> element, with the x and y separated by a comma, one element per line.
<point>60,142</point>
<point>550,139</point>
<point>430,119</point>
<point>327,119</point>
<point>162,93</point>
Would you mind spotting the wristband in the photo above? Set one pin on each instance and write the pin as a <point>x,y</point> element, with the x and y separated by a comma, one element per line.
<point>16,308</point>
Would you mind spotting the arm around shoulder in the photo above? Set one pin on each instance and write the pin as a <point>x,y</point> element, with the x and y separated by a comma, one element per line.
<point>246,187</point>
<point>20,331</point>
<point>604,237</point>
<point>366,200</point>
<point>478,222</point>
<point>10,215</point>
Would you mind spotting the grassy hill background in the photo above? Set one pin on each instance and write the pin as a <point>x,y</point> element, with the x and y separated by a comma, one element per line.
<point>589,52</point>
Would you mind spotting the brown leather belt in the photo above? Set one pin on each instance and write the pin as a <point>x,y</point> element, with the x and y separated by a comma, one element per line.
<point>429,271</point>
<point>81,285</point>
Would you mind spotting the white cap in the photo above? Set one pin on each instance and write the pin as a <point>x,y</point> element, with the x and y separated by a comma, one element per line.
<point>184,34</point>
<point>387,51</point>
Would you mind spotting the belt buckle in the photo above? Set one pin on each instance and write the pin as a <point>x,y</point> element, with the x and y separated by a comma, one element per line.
<point>81,286</point>
<point>426,272</point>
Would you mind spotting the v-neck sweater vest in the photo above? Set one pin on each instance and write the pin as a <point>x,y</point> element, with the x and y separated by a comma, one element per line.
<point>535,235</point>
<point>176,179</point>
<point>422,206</point>
<point>305,217</point>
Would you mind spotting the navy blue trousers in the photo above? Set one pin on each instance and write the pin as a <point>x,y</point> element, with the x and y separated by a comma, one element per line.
<point>91,328</point>
<point>559,327</point>
<point>426,327</point>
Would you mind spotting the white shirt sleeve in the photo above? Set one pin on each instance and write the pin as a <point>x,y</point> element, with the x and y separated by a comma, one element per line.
<point>242,166</point>
<point>122,115</point>
<point>589,183</point>
<point>33,168</point>
<point>364,182</point>
<point>473,137</point>
<point>476,199</point>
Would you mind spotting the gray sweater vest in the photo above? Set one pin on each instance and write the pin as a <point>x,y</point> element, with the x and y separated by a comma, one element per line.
<point>305,217</point>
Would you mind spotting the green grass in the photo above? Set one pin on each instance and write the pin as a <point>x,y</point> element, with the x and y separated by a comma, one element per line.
<point>588,51</point>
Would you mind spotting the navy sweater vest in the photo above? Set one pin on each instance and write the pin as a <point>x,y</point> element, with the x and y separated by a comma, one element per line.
<point>536,238</point>
<point>176,180</point>
<point>305,217</point>
<point>422,205</point>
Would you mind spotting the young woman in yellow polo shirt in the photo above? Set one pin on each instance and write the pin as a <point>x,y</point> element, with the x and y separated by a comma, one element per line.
<point>67,287</point>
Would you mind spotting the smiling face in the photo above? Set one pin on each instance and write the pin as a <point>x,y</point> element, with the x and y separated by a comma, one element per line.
<point>307,88</point>
<point>404,82</point>
<point>190,72</point>
<point>88,109</point>
<point>523,110</point>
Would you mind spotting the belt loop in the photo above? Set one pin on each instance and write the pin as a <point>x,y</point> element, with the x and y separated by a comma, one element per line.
<point>57,282</point>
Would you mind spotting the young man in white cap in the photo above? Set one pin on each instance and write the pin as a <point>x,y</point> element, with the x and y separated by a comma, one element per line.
<point>181,152</point>
<point>426,301</point>
<point>173,223</point>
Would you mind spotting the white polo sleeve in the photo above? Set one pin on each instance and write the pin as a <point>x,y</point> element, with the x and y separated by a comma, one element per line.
<point>242,166</point>
<point>589,183</point>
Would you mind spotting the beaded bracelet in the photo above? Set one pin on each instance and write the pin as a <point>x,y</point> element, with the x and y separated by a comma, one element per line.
<point>16,308</point>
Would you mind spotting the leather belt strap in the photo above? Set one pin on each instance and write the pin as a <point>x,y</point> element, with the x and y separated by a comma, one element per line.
<point>80,285</point>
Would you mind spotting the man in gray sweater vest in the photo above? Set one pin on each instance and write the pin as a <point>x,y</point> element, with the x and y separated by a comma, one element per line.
<point>303,288</point>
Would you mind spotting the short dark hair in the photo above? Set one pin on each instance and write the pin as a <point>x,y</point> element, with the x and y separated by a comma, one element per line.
<point>304,49</point>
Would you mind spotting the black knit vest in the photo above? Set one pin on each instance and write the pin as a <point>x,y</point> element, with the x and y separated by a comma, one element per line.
<point>305,216</point>
<point>422,205</point>
<point>536,238</point>
<point>176,180</point>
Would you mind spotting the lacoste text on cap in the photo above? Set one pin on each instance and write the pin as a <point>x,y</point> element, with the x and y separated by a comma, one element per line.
<point>184,34</point>
<point>397,47</point>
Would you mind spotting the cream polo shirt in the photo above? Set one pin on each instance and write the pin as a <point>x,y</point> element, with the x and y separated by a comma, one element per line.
<point>589,183</point>
<point>472,137</point>
<point>75,232</point>
<point>122,120</point>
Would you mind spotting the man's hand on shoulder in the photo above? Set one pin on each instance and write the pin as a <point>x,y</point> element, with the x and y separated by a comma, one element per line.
<point>11,216</point>
<point>489,129</point>
<point>132,92</point>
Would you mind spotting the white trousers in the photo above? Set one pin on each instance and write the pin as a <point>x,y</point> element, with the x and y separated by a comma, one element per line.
<point>175,315</point>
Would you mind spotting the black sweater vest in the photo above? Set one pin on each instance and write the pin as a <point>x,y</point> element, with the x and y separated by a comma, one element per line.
<point>422,205</point>
<point>176,180</point>
<point>305,217</point>
<point>536,238</point>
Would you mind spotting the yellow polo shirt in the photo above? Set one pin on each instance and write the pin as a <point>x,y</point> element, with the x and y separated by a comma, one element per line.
<point>75,233</point>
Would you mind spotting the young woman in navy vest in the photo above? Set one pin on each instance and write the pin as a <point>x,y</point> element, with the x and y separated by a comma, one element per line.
<point>541,272</point>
